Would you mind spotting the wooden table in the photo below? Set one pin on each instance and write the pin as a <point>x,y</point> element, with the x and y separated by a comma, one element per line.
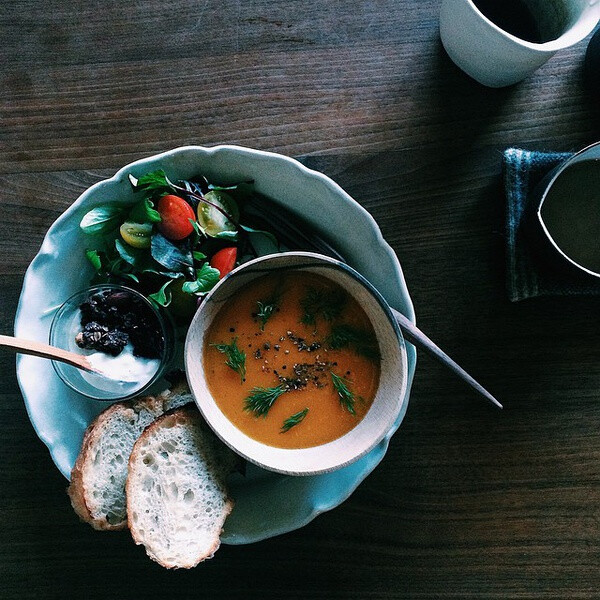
<point>469,502</point>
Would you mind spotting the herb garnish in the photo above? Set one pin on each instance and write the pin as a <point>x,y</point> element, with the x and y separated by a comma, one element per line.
<point>261,399</point>
<point>294,420</point>
<point>346,395</point>
<point>267,307</point>
<point>362,341</point>
<point>327,304</point>
<point>236,358</point>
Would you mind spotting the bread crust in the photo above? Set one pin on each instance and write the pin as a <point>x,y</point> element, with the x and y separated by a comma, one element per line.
<point>186,415</point>
<point>77,489</point>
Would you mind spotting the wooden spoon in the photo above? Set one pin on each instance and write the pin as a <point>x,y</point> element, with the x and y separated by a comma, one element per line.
<point>22,346</point>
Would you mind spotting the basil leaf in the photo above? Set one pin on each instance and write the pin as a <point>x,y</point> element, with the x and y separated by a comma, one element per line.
<point>170,256</point>
<point>206,279</point>
<point>163,296</point>
<point>144,212</point>
<point>102,219</point>
<point>129,254</point>
<point>198,255</point>
<point>94,257</point>
<point>156,180</point>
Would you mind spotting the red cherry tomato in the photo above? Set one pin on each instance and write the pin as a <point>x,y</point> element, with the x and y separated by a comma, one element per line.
<point>224,260</point>
<point>175,213</point>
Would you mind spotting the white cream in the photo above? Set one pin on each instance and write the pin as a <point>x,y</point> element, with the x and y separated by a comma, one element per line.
<point>126,371</point>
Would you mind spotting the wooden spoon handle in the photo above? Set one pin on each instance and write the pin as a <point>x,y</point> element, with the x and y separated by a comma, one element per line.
<point>45,351</point>
<point>415,336</point>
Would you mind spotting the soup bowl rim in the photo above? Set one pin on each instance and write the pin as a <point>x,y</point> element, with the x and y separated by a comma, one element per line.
<point>330,463</point>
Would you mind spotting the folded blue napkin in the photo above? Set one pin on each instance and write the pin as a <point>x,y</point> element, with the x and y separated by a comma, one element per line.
<point>528,274</point>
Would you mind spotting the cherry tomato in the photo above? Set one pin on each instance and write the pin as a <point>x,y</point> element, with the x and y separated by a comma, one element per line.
<point>212,220</point>
<point>175,214</point>
<point>224,260</point>
<point>136,234</point>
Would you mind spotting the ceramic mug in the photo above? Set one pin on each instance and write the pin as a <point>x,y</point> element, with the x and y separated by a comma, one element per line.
<point>496,58</point>
<point>566,227</point>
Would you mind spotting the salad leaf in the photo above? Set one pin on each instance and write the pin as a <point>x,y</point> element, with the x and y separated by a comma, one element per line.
<point>169,274</point>
<point>102,219</point>
<point>94,257</point>
<point>155,180</point>
<point>206,278</point>
<point>130,276</point>
<point>227,235</point>
<point>144,212</point>
<point>163,296</point>
<point>198,255</point>
<point>128,253</point>
<point>170,256</point>
<point>271,237</point>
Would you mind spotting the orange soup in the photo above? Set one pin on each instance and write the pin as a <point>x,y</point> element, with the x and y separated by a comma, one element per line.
<point>292,360</point>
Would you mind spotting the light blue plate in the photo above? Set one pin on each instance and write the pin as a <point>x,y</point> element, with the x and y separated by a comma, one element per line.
<point>266,504</point>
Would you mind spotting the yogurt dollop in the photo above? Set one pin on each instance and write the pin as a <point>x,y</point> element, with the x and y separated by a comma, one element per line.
<point>125,367</point>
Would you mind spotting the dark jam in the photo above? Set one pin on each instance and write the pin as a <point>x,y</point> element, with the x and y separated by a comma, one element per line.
<point>112,319</point>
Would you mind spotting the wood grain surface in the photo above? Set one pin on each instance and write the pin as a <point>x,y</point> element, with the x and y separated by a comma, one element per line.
<point>469,502</point>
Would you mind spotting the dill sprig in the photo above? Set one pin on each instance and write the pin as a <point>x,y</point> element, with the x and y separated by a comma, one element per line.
<point>261,399</point>
<point>346,395</point>
<point>265,312</point>
<point>236,358</point>
<point>268,306</point>
<point>294,420</point>
<point>327,304</point>
<point>361,341</point>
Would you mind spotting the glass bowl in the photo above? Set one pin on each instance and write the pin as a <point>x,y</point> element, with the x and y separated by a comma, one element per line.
<point>67,323</point>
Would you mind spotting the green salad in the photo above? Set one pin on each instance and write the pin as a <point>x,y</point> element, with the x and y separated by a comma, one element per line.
<point>175,241</point>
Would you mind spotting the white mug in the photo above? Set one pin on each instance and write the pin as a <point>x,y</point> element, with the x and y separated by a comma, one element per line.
<point>496,58</point>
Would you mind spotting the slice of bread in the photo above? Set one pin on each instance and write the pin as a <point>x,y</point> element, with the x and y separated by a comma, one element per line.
<point>97,488</point>
<point>177,501</point>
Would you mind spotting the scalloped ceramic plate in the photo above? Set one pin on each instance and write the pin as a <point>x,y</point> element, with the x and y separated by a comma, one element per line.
<point>266,504</point>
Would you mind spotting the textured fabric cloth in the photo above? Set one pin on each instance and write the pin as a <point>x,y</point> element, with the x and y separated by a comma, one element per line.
<point>528,274</point>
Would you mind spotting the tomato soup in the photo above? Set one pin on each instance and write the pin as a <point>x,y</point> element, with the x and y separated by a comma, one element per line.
<point>292,360</point>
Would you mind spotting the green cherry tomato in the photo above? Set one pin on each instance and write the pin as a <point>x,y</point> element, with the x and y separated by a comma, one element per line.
<point>175,214</point>
<point>211,219</point>
<point>136,234</point>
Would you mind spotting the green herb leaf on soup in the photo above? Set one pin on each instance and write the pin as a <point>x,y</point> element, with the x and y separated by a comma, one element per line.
<point>261,399</point>
<point>268,306</point>
<point>318,303</point>
<point>345,394</point>
<point>361,341</point>
<point>102,219</point>
<point>236,358</point>
<point>294,420</point>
